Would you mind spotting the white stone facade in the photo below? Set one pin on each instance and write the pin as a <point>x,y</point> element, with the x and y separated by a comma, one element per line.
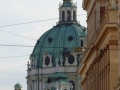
<point>36,77</point>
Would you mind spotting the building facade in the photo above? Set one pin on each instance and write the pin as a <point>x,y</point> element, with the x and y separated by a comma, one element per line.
<point>100,65</point>
<point>117,87</point>
<point>49,54</point>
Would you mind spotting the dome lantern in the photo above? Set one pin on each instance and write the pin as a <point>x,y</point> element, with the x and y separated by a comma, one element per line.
<point>67,12</point>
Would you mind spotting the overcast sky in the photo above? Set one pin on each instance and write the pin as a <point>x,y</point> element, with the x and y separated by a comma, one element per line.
<point>13,69</point>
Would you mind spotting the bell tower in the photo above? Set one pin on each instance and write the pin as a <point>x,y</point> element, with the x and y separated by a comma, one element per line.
<point>67,12</point>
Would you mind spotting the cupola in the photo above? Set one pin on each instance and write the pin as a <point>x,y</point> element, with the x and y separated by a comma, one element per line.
<point>67,12</point>
<point>18,86</point>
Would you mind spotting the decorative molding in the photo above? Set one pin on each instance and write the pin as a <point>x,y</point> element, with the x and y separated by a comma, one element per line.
<point>70,38</point>
<point>50,57</point>
<point>50,39</point>
<point>113,42</point>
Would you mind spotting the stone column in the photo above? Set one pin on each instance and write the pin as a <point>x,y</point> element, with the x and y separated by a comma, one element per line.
<point>66,15</point>
<point>71,16</point>
<point>27,85</point>
<point>35,85</point>
<point>60,15</point>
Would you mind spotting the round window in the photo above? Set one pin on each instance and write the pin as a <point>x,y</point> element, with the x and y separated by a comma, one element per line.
<point>71,59</point>
<point>47,61</point>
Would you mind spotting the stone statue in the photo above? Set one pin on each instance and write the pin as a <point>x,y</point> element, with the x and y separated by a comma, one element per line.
<point>28,65</point>
<point>61,61</point>
<point>57,65</point>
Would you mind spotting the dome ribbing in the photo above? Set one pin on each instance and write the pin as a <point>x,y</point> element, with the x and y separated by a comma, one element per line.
<point>57,38</point>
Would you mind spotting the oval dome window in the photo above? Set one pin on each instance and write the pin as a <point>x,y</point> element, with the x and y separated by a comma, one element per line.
<point>71,59</point>
<point>47,60</point>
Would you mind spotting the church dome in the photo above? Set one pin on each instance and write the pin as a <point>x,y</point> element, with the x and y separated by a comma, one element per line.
<point>54,40</point>
<point>58,51</point>
<point>18,86</point>
<point>68,4</point>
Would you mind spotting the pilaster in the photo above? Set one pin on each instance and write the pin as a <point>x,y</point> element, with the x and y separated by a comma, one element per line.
<point>119,49</point>
<point>113,50</point>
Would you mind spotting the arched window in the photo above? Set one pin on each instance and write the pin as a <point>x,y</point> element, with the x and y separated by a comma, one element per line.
<point>68,15</point>
<point>74,15</point>
<point>73,83</point>
<point>63,16</point>
<point>81,43</point>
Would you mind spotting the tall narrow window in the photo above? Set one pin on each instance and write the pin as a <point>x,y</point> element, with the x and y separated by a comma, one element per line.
<point>32,63</point>
<point>68,15</point>
<point>102,11</point>
<point>73,83</point>
<point>74,15</point>
<point>81,43</point>
<point>63,16</point>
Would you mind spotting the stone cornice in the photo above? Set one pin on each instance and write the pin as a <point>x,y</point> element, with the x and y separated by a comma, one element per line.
<point>104,32</point>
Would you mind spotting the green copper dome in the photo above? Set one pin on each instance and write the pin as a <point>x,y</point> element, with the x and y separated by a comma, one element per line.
<point>54,40</point>
<point>18,86</point>
<point>68,4</point>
